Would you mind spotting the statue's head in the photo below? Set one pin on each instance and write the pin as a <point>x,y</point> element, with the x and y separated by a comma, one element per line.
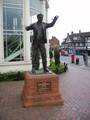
<point>40,17</point>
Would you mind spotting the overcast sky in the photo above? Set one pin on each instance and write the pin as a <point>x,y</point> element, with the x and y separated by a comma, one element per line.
<point>74,15</point>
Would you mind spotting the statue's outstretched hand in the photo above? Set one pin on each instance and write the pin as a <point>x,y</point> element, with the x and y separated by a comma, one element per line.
<point>56,17</point>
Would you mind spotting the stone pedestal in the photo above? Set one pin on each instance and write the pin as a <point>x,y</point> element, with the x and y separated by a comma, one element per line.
<point>41,89</point>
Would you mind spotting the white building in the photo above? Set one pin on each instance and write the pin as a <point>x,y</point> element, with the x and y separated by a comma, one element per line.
<point>15,45</point>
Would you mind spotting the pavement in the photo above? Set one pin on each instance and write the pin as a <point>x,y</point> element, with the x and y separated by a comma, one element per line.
<point>74,86</point>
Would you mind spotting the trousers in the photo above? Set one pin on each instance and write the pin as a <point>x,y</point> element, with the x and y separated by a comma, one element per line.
<point>37,50</point>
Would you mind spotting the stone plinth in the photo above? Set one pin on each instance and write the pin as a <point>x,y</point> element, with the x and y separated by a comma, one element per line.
<point>41,89</point>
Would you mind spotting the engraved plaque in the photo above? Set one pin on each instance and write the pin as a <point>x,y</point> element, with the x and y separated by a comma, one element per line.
<point>44,87</point>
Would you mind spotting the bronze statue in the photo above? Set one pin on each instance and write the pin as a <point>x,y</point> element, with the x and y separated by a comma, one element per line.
<point>39,40</point>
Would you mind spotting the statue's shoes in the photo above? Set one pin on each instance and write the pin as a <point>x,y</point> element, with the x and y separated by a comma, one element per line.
<point>46,70</point>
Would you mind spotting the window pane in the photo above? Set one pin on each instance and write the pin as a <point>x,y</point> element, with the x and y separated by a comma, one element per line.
<point>13,47</point>
<point>13,30</point>
<point>12,18</point>
<point>13,1</point>
<point>35,7</point>
<point>35,4</point>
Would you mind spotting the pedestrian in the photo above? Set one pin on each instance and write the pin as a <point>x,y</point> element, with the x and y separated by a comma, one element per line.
<point>39,40</point>
<point>57,56</point>
<point>65,67</point>
<point>85,58</point>
<point>51,55</point>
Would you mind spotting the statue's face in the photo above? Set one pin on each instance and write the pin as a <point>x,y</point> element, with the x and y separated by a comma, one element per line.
<point>40,18</point>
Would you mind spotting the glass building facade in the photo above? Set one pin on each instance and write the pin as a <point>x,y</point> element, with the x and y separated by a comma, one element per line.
<point>13,30</point>
<point>15,40</point>
<point>13,27</point>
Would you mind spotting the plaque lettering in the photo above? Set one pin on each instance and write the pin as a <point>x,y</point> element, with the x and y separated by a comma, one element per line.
<point>44,87</point>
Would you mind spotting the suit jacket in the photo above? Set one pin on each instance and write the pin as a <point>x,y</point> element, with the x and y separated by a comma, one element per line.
<point>44,27</point>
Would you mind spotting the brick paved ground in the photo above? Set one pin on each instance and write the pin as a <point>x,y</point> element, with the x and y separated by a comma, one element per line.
<point>75,88</point>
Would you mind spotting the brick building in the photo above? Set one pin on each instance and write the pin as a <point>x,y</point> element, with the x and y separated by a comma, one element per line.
<point>54,42</point>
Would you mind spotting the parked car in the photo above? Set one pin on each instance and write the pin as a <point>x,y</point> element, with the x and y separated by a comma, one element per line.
<point>64,53</point>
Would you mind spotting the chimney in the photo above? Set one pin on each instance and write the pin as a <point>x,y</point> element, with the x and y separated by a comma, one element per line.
<point>79,31</point>
<point>67,34</point>
<point>72,33</point>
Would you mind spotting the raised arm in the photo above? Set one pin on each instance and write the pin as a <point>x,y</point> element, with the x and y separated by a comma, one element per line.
<point>53,22</point>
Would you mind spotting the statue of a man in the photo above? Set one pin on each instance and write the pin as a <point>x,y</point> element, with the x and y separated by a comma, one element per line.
<point>39,40</point>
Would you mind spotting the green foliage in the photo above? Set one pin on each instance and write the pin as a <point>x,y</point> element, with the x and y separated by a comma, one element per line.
<point>51,54</point>
<point>57,68</point>
<point>12,76</point>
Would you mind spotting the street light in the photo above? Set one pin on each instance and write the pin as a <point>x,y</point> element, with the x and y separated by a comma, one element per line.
<point>86,47</point>
<point>86,55</point>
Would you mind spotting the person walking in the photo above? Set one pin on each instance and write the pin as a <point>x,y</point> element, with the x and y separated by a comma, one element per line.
<point>85,58</point>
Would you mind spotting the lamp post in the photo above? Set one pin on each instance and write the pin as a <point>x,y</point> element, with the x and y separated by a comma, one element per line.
<point>86,47</point>
<point>86,54</point>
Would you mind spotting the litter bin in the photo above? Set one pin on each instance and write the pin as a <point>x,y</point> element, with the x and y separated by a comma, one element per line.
<point>73,58</point>
<point>77,61</point>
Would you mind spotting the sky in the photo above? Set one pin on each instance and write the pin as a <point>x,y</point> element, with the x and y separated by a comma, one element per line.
<point>74,15</point>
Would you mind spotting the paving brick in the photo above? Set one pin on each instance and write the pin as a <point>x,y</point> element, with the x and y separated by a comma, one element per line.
<point>74,87</point>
